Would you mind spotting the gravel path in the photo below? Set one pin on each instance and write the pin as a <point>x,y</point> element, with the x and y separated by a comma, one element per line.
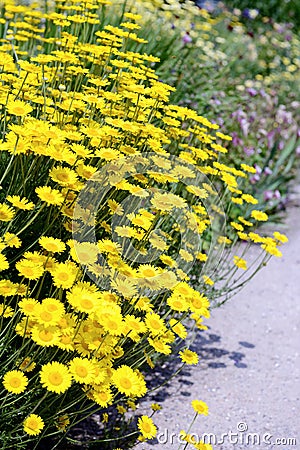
<point>249,373</point>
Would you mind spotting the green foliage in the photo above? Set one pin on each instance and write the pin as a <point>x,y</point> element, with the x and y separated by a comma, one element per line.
<point>279,10</point>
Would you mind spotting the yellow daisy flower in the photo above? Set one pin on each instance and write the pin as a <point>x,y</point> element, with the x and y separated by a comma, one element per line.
<point>6,213</point>
<point>240,262</point>
<point>55,377</point>
<point>259,215</point>
<point>82,370</point>
<point>15,381</point>
<point>128,382</point>
<point>18,108</point>
<point>49,195</point>
<point>51,244</point>
<point>200,407</point>
<point>29,269</point>
<point>188,356</point>
<point>21,203</point>
<point>146,426</point>
<point>4,264</point>
<point>33,424</point>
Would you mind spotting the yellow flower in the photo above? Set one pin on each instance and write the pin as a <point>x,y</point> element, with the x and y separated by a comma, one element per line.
<point>259,215</point>
<point>199,303</point>
<point>202,193</point>
<point>128,382</point>
<point>186,255</point>
<point>33,424</point>
<point>121,409</point>
<point>64,274</point>
<point>29,269</point>
<point>6,213</point>
<point>11,240</point>
<point>178,328</point>
<point>133,326</point>
<point>155,407</point>
<point>3,262</point>
<point>148,271</point>
<point>62,422</point>
<point>19,108</point>
<point>82,370</point>
<point>168,260</point>
<point>28,305</point>
<point>272,250</point>
<point>208,280</point>
<point>83,299</point>
<point>178,303</point>
<point>15,381</point>
<point>51,244</point>
<point>124,286</point>
<point>240,262</point>
<point>248,168</point>
<point>102,397</point>
<point>237,200</point>
<point>249,199</point>
<point>27,365</point>
<point>63,176</point>
<point>280,237</point>
<point>49,195</point>
<point>45,336</point>
<point>6,311</point>
<point>229,179</point>
<point>160,346</point>
<point>45,317</point>
<point>146,426</point>
<point>7,288</point>
<point>167,201</point>
<point>21,203</point>
<point>84,253</point>
<point>55,377</point>
<point>188,356</point>
<point>201,257</point>
<point>245,222</point>
<point>155,324</point>
<point>111,319</point>
<point>200,407</point>
<point>237,226</point>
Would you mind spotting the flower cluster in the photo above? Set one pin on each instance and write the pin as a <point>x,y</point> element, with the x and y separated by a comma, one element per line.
<point>107,200</point>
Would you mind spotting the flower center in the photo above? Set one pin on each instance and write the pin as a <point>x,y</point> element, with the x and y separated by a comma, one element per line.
<point>55,378</point>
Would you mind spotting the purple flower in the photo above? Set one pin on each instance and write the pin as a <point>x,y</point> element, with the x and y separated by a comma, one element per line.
<point>268,195</point>
<point>255,178</point>
<point>277,194</point>
<point>271,138</point>
<point>236,141</point>
<point>263,93</point>
<point>268,171</point>
<point>244,126</point>
<point>258,169</point>
<point>187,39</point>
<point>249,151</point>
<point>252,92</point>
